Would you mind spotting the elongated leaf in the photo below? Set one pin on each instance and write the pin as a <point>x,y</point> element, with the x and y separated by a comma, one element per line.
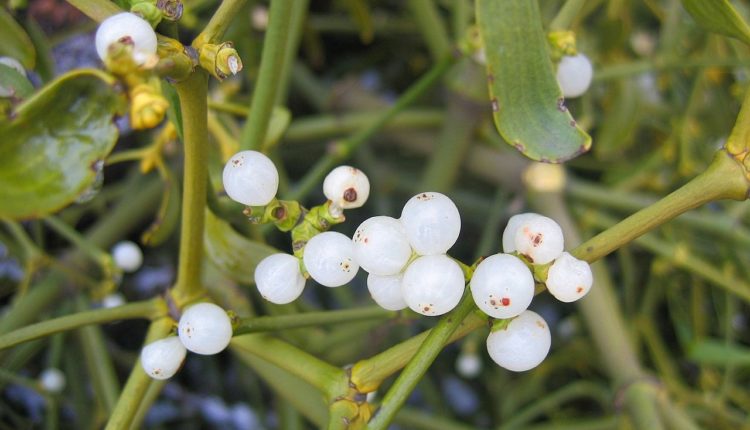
<point>527,103</point>
<point>232,253</point>
<point>15,42</point>
<point>51,148</point>
<point>715,352</point>
<point>168,215</point>
<point>14,83</point>
<point>720,17</point>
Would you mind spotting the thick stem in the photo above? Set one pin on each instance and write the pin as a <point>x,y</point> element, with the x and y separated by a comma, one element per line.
<point>192,94</point>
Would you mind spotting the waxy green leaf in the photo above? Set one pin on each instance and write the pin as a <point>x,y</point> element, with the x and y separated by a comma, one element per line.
<point>15,42</point>
<point>527,104</point>
<point>720,17</point>
<point>232,253</point>
<point>52,147</point>
<point>14,83</point>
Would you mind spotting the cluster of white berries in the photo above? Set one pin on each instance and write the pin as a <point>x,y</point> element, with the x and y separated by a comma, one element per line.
<point>128,29</point>
<point>574,74</point>
<point>204,328</point>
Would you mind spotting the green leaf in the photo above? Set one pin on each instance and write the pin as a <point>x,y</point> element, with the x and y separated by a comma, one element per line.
<point>15,83</point>
<point>52,146</point>
<point>168,215</point>
<point>720,17</point>
<point>232,253</point>
<point>715,352</point>
<point>15,42</point>
<point>277,125</point>
<point>527,103</point>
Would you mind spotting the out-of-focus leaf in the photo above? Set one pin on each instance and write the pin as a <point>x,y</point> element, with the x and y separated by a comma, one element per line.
<point>168,215</point>
<point>715,352</point>
<point>45,65</point>
<point>232,253</point>
<point>360,12</point>
<point>53,145</point>
<point>527,103</point>
<point>173,111</point>
<point>15,83</point>
<point>280,119</point>
<point>720,17</point>
<point>15,42</point>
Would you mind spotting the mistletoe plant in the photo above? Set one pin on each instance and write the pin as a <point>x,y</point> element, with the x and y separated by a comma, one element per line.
<point>269,231</point>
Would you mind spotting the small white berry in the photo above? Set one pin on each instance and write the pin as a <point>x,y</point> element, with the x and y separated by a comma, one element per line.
<point>540,239</point>
<point>433,284</point>
<point>432,223</point>
<point>130,29</point>
<point>386,291</point>
<point>509,234</point>
<point>127,256</point>
<point>113,300</point>
<point>522,345</point>
<point>329,259</point>
<point>52,380</point>
<point>502,286</point>
<point>162,359</point>
<point>346,187</point>
<point>381,246</point>
<point>569,278</point>
<point>279,279</point>
<point>468,365</point>
<point>574,74</point>
<point>250,178</point>
<point>205,329</point>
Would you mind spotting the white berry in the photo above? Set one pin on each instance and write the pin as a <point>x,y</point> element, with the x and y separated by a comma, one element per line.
<point>574,74</point>
<point>346,187</point>
<point>381,246</point>
<point>113,300</point>
<point>569,278</point>
<point>205,329</point>
<point>162,359</point>
<point>502,286</point>
<point>522,345</point>
<point>468,365</point>
<point>432,223</point>
<point>130,29</point>
<point>386,291</point>
<point>540,239</point>
<point>127,256</point>
<point>329,259</point>
<point>279,279</point>
<point>509,234</point>
<point>433,285</point>
<point>52,380</point>
<point>250,178</point>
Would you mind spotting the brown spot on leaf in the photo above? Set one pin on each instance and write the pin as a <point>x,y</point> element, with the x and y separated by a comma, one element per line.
<point>495,105</point>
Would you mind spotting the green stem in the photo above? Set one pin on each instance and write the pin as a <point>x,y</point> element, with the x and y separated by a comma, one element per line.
<point>99,256</point>
<point>192,95</point>
<point>269,323</point>
<point>138,383</point>
<point>567,14</point>
<point>433,29</point>
<point>346,147</point>
<point>98,10</point>
<point>219,22</point>
<point>146,309</point>
<point>271,65</point>
<point>724,179</point>
<point>149,397</point>
<point>625,70</point>
<point>419,363</point>
<point>296,27</point>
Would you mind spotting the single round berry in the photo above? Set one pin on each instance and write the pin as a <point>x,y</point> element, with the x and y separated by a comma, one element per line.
<point>163,358</point>
<point>329,259</point>
<point>127,256</point>
<point>129,29</point>
<point>250,178</point>
<point>509,234</point>
<point>574,74</point>
<point>569,278</point>
<point>522,345</point>
<point>205,329</point>
<point>432,223</point>
<point>381,246</point>
<point>346,187</point>
<point>433,284</point>
<point>468,365</point>
<point>279,279</point>
<point>540,239</point>
<point>113,300</point>
<point>386,291</point>
<point>502,286</point>
<point>52,380</point>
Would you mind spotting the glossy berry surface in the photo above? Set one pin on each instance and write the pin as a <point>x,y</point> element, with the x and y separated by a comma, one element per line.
<point>574,74</point>
<point>386,291</point>
<point>250,178</point>
<point>205,329</point>
<point>162,359</point>
<point>432,223</point>
<point>129,29</point>
<point>540,239</point>
<point>381,246</point>
<point>569,278</point>
<point>127,256</point>
<point>329,259</point>
<point>279,279</point>
<point>522,345</point>
<point>346,187</point>
<point>502,286</point>
<point>432,285</point>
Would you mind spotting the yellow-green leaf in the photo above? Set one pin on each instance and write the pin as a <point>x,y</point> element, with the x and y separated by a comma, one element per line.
<point>528,106</point>
<point>232,253</point>
<point>720,17</point>
<point>168,215</point>
<point>15,42</point>
<point>51,147</point>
